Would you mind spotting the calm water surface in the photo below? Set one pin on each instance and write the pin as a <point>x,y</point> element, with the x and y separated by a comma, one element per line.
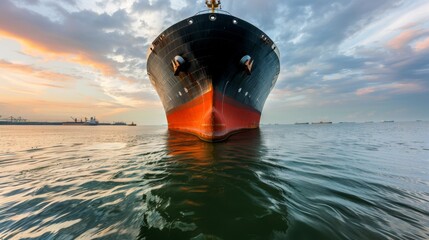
<point>340,181</point>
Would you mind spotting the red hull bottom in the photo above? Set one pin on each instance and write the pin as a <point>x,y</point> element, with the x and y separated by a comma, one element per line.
<point>213,117</point>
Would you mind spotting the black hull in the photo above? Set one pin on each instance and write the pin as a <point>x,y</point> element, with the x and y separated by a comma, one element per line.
<point>212,47</point>
<point>213,50</point>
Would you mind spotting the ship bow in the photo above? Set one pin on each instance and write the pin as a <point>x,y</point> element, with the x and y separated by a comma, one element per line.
<point>213,117</point>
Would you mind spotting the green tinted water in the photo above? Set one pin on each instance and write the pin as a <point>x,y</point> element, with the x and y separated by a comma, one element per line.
<point>341,181</point>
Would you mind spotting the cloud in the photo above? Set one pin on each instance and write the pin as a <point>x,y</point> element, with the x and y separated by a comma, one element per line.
<point>35,72</point>
<point>311,36</point>
<point>365,91</point>
<point>80,37</point>
<point>15,74</point>
<point>84,37</point>
<point>422,45</point>
<point>332,52</point>
<point>398,88</point>
<point>405,37</point>
<point>402,39</point>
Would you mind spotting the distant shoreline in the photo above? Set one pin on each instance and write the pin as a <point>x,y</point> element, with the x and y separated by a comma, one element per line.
<point>31,123</point>
<point>56,124</point>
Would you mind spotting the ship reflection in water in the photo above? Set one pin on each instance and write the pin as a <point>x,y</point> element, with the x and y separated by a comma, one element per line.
<point>325,181</point>
<point>221,190</point>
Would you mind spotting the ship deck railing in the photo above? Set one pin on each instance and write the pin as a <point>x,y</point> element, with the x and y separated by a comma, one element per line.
<point>210,11</point>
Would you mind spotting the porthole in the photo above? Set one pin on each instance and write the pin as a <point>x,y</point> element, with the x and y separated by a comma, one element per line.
<point>234,21</point>
<point>212,17</point>
<point>190,21</point>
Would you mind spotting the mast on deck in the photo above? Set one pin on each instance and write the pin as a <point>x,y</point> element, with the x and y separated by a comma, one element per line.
<point>213,5</point>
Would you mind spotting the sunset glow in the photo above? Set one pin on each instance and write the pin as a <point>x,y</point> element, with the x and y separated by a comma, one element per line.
<point>352,61</point>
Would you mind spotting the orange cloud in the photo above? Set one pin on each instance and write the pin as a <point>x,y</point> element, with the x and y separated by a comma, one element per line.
<point>422,45</point>
<point>365,91</point>
<point>394,88</point>
<point>75,39</point>
<point>99,64</point>
<point>69,53</point>
<point>403,39</point>
<point>29,70</point>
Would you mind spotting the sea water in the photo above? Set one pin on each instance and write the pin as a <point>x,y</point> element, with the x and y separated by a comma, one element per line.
<point>325,181</point>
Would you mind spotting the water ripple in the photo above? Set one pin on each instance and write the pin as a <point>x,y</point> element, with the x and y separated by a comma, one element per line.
<point>349,181</point>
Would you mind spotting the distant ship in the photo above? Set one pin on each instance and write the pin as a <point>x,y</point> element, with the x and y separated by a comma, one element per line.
<point>213,73</point>
<point>124,124</point>
<point>119,124</point>
<point>321,122</point>
<point>91,122</point>
<point>302,123</point>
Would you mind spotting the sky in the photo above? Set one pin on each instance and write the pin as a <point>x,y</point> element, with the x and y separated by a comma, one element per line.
<point>355,60</point>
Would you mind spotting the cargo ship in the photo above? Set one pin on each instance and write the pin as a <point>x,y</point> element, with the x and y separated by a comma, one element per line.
<point>91,122</point>
<point>213,73</point>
